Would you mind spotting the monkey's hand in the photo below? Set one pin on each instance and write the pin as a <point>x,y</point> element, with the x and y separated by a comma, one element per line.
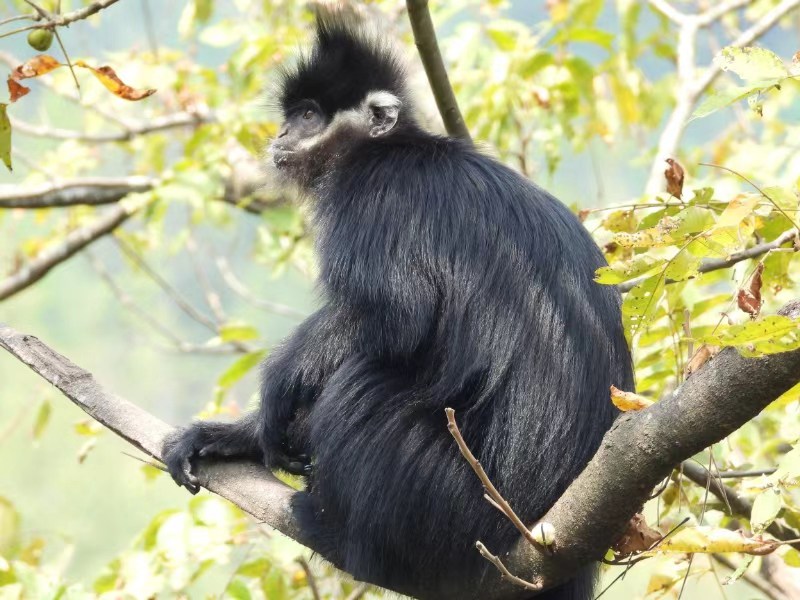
<point>222,440</point>
<point>206,439</point>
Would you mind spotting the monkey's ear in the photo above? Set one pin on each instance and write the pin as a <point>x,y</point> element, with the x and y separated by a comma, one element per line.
<point>382,119</point>
<point>384,110</point>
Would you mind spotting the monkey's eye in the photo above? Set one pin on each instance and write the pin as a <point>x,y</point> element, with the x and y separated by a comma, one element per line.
<point>308,114</point>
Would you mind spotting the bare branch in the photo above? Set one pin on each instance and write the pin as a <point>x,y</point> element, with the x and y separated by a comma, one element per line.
<point>76,240</point>
<point>431,56</point>
<point>740,507</point>
<point>89,191</point>
<point>130,131</point>
<point>714,264</point>
<point>716,11</point>
<point>762,585</point>
<point>52,20</point>
<point>669,11</point>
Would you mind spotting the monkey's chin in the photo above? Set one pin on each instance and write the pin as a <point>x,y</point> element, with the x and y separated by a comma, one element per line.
<point>282,159</point>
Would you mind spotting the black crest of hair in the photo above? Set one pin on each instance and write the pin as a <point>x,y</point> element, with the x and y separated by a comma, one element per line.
<point>447,280</point>
<point>346,62</point>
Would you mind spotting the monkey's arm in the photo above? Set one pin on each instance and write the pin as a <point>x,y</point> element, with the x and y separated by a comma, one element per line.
<point>292,377</point>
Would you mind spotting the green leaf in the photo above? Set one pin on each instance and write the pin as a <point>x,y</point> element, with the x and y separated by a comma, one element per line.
<point>5,137</point>
<point>254,568</point>
<point>641,303</point>
<point>589,35</point>
<point>751,63</point>
<point>9,527</point>
<point>791,557</point>
<point>766,507</point>
<point>42,419</point>
<point>722,98</point>
<point>238,590</point>
<point>240,368</point>
<point>627,270</point>
<point>535,63</point>
<point>775,333</point>
<point>683,266</point>
<point>237,332</point>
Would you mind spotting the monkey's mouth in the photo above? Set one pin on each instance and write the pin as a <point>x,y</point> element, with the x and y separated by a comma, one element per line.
<point>281,157</point>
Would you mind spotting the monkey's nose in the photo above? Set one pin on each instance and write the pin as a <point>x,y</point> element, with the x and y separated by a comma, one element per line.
<point>283,132</point>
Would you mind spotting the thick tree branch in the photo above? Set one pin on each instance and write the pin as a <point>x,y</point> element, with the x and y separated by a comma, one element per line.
<point>428,47</point>
<point>248,485</point>
<point>640,450</point>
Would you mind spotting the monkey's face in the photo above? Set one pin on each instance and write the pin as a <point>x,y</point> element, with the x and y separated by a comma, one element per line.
<point>303,123</point>
<point>310,141</point>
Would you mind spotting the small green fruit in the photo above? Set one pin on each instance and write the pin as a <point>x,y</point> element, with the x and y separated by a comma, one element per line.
<point>40,39</point>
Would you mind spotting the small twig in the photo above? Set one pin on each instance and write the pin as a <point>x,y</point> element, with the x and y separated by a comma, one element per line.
<point>358,592</point>
<point>494,496</point>
<point>17,18</point>
<point>150,463</point>
<point>733,474</point>
<point>312,581</point>
<point>240,289</point>
<point>739,506</point>
<point>173,294</point>
<point>758,582</point>
<point>68,59</point>
<point>125,300</point>
<point>534,586</point>
<point>53,20</point>
<point>759,189</point>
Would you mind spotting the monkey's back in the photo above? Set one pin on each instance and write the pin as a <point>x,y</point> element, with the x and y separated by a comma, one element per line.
<point>464,285</point>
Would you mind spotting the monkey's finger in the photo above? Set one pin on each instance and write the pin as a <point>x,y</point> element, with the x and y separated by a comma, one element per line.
<point>188,476</point>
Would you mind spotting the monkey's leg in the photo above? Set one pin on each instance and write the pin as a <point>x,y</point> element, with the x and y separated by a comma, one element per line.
<point>293,377</point>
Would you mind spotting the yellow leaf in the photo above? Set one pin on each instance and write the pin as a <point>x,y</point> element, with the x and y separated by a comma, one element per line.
<point>626,401</point>
<point>108,77</point>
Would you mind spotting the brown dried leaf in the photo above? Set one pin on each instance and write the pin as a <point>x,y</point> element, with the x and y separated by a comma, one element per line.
<point>38,65</point>
<point>638,537</point>
<point>703,354</point>
<point>626,401</point>
<point>108,77</point>
<point>16,90</point>
<point>583,213</point>
<point>674,174</point>
<point>749,298</point>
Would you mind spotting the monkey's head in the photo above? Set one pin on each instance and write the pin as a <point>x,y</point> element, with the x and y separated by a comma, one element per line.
<point>349,88</point>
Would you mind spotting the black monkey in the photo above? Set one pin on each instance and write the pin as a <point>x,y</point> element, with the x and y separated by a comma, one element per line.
<point>448,280</point>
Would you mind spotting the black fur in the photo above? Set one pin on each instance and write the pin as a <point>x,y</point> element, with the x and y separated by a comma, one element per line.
<point>448,280</point>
